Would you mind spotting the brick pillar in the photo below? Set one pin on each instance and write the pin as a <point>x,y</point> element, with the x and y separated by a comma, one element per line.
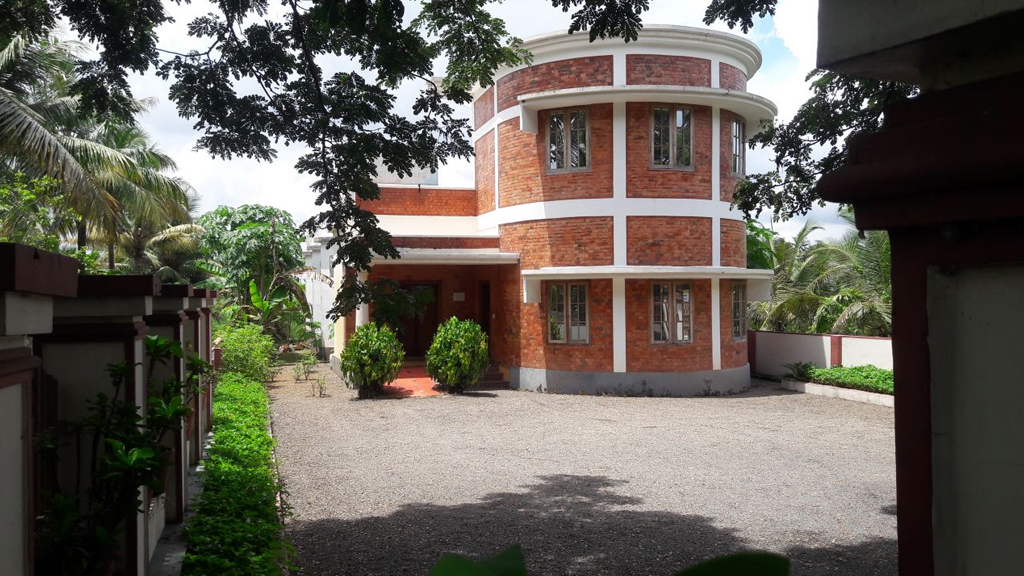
<point>836,344</point>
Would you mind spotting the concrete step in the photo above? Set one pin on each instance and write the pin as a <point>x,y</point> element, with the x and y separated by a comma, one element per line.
<point>492,385</point>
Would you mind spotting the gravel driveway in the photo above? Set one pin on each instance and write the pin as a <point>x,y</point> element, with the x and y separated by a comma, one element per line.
<point>588,485</point>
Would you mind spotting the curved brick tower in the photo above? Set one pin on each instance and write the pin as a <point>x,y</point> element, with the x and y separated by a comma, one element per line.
<point>598,246</point>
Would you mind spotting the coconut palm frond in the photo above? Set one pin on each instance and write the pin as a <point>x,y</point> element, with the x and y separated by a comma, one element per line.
<point>25,138</point>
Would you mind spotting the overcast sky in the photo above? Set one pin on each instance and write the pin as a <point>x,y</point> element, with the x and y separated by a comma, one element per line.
<point>787,42</point>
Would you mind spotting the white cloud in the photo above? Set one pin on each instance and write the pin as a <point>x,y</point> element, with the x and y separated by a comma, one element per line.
<point>796,24</point>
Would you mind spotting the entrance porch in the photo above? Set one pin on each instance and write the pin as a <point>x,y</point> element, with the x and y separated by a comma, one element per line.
<point>461,283</point>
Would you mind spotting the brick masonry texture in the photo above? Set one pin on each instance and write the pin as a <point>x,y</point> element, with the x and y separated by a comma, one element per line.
<point>484,172</point>
<point>483,108</point>
<point>734,243</point>
<point>731,77</point>
<point>644,356</point>
<point>728,180</point>
<point>668,241</point>
<point>445,242</point>
<point>643,181</point>
<point>423,202</point>
<point>522,340</point>
<point>560,242</point>
<point>571,73</point>
<point>596,356</point>
<point>667,70</point>
<point>734,353</point>
<point>524,177</point>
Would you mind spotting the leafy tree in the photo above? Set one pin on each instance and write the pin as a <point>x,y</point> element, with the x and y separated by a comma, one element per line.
<point>254,253</point>
<point>114,178</point>
<point>859,283</point>
<point>348,121</point>
<point>813,143</point>
<point>251,243</point>
<point>798,269</point>
<point>33,212</point>
<point>759,245</point>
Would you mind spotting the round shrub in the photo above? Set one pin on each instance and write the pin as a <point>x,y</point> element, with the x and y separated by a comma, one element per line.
<point>246,349</point>
<point>458,355</point>
<point>371,359</point>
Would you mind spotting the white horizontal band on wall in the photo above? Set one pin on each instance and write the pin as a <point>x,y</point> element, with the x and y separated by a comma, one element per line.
<point>503,116</point>
<point>598,207</point>
<point>435,226</point>
<point>752,107</point>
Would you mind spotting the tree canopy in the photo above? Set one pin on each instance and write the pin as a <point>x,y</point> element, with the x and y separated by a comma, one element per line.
<point>262,80</point>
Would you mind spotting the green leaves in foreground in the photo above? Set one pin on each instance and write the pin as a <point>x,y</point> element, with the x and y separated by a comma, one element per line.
<point>512,563</point>
<point>507,563</point>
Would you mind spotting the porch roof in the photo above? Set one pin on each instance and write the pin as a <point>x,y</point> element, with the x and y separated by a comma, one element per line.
<point>758,281</point>
<point>454,256</point>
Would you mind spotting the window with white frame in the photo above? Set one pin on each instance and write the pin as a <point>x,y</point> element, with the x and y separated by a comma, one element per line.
<point>739,155</point>
<point>671,137</point>
<point>568,314</point>
<point>568,141</point>
<point>671,313</point>
<point>739,310</point>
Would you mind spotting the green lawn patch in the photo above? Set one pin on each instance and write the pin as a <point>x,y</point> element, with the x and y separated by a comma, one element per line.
<point>236,529</point>
<point>868,378</point>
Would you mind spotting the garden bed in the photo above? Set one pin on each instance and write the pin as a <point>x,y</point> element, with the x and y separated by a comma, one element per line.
<point>237,528</point>
<point>867,384</point>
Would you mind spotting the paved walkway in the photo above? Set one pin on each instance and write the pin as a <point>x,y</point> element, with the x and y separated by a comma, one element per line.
<point>588,485</point>
<point>411,382</point>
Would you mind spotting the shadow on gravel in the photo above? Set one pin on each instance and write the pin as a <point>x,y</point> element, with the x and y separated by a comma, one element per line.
<point>566,524</point>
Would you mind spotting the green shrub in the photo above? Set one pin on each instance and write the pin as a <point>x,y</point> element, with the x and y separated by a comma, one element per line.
<point>868,378</point>
<point>246,350</point>
<point>458,355</point>
<point>237,529</point>
<point>800,370</point>
<point>371,359</point>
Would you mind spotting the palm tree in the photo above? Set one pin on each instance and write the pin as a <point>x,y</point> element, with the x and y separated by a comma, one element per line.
<point>860,280</point>
<point>839,287</point>
<point>112,176</point>
<point>798,274</point>
<point>148,200</point>
<point>35,113</point>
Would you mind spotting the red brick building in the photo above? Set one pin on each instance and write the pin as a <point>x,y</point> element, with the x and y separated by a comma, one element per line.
<point>598,248</point>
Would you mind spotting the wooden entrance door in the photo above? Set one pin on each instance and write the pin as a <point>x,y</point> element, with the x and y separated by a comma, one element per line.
<point>418,331</point>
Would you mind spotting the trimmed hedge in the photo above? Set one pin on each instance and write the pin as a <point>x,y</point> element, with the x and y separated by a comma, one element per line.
<point>246,349</point>
<point>868,378</point>
<point>236,529</point>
